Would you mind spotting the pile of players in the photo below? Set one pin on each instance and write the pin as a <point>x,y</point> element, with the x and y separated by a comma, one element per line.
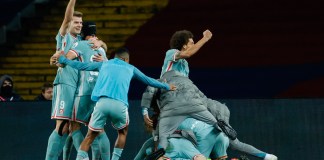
<point>89,89</point>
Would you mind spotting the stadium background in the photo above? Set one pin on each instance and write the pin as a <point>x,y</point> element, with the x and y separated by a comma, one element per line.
<point>270,50</point>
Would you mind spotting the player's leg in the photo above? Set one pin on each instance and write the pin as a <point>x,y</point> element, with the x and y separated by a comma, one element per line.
<point>104,146</point>
<point>220,147</point>
<point>76,134</point>
<point>85,145</point>
<point>120,143</point>
<point>143,151</point>
<point>62,103</point>
<point>96,126</point>
<point>83,108</point>
<point>67,149</point>
<point>249,149</point>
<point>56,139</point>
<point>118,113</point>
<point>166,127</point>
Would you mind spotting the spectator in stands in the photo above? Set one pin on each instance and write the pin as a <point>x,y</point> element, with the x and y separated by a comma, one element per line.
<point>7,93</point>
<point>47,93</point>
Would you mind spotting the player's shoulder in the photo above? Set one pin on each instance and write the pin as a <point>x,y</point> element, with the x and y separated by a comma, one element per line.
<point>171,51</point>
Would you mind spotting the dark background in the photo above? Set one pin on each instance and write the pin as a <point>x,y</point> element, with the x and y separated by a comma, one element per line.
<point>288,128</point>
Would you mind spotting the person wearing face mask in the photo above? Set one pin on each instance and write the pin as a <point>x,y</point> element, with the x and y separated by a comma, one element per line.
<point>47,93</point>
<point>7,93</point>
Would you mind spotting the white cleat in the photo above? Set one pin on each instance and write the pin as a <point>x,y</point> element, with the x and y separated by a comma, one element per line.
<point>270,157</point>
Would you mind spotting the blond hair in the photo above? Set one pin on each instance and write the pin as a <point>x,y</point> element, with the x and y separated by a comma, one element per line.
<point>77,14</point>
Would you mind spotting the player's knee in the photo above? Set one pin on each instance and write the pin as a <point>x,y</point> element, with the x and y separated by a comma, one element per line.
<point>74,126</point>
<point>123,132</point>
<point>62,127</point>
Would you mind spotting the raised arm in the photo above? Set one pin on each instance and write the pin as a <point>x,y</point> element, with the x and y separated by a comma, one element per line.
<point>152,82</point>
<point>67,17</point>
<point>84,66</point>
<point>193,49</point>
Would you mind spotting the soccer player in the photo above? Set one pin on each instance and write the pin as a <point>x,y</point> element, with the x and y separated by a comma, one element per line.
<point>185,102</point>
<point>182,143</point>
<point>83,105</point>
<point>176,107</point>
<point>182,47</point>
<point>65,82</point>
<point>110,93</point>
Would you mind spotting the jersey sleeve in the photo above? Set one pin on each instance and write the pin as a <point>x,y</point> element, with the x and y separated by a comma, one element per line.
<point>171,55</point>
<point>149,81</point>
<point>84,66</point>
<point>59,39</point>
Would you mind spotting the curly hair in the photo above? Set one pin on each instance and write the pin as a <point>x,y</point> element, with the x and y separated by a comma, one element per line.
<point>180,38</point>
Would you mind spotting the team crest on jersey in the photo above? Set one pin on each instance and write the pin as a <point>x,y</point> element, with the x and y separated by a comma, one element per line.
<point>75,44</point>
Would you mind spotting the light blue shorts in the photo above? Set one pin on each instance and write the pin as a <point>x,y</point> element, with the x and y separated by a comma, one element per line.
<point>105,108</point>
<point>83,108</point>
<point>62,103</point>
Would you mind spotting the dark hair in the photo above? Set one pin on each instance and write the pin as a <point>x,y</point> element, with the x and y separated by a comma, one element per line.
<point>77,14</point>
<point>122,53</point>
<point>46,86</point>
<point>180,38</point>
<point>88,29</point>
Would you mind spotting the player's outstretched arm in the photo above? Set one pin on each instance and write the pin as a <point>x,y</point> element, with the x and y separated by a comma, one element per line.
<point>152,82</point>
<point>84,66</point>
<point>68,17</point>
<point>207,35</point>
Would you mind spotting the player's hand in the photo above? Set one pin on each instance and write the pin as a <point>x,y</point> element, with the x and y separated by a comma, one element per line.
<point>172,87</point>
<point>207,34</point>
<point>96,43</point>
<point>98,58</point>
<point>59,65</point>
<point>54,58</point>
<point>148,121</point>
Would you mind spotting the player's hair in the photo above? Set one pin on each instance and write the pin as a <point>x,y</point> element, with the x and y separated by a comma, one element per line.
<point>77,14</point>
<point>46,86</point>
<point>180,38</point>
<point>122,53</point>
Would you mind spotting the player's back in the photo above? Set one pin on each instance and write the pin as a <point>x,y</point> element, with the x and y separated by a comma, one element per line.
<point>114,80</point>
<point>87,79</point>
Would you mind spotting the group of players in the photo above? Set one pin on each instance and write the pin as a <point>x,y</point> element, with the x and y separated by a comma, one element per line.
<point>89,89</point>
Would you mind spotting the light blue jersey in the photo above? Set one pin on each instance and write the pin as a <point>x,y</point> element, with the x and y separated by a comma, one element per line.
<point>209,140</point>
<point>114,80</point>
<point>200,129</point>
<point>66,75</point>
<point>170,63</point>
<point>87,79</point>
